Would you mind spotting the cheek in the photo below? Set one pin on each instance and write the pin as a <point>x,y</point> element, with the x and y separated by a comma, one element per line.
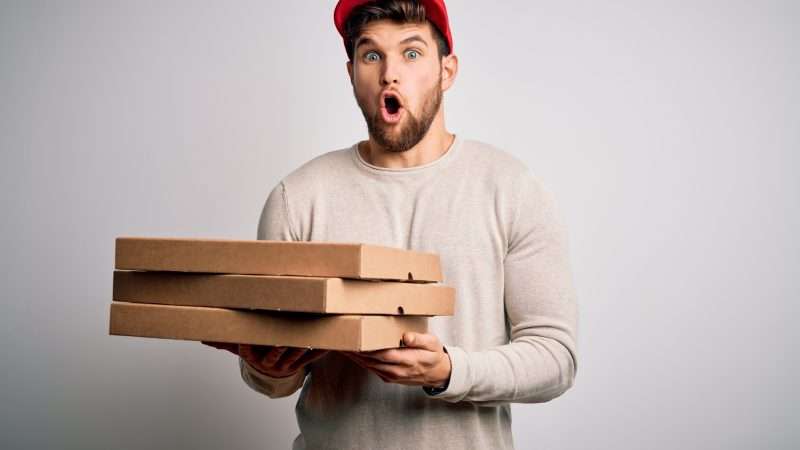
<point>364,89</point>
<point>362,95</point>
<point>423,86</point>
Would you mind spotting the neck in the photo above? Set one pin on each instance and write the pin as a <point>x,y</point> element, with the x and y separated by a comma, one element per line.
<point>430,148</point>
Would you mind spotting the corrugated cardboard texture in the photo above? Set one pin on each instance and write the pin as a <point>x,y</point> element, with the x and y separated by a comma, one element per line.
<point>319,259</point>
<point>332,332</point>
<point>284,293</point>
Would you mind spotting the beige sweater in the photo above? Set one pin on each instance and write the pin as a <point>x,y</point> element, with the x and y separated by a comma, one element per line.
<point>502,246</point>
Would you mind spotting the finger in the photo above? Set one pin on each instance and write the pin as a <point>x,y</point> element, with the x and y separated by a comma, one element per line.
<point>392,371</point>
<point>246,352</point>
<point>271,358</point>
<point>392,374</point>
<point>367,359</point>
<point>358,362</point>
<point>390,356</point>
<point>376,355</point>
<point>363,362</point>
<point>362,355</point>
<point>348,354</point>
<point>289,357</point>
<point>384,377</point>
<point>253,353</point>
<point>261,350</point>
<point>383,366</point>
<point>307,358</point>
<point>422,340</point>
<point>359,359</point>
<point>387,376</point>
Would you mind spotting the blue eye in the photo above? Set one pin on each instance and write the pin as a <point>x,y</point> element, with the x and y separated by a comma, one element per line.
<point>371,56</point>
<point>412,54</point>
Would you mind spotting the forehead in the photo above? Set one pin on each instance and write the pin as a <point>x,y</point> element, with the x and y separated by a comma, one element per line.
<point>387,33</point>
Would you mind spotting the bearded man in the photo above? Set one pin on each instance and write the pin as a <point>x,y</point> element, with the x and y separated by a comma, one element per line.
<point>412,184</point>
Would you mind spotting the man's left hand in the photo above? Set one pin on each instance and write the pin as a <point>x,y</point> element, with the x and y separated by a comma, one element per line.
<point>422,362</point>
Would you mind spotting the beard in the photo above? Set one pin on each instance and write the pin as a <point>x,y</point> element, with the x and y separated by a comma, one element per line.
<point>412,129</point>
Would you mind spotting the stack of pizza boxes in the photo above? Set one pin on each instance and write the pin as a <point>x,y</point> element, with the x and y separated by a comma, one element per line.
<point>335,296</point>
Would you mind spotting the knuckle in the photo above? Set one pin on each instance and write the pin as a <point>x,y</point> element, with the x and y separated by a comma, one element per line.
<point>388,377</point>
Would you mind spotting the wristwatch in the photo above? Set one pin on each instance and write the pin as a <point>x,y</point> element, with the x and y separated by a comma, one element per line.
<point>434,390</point>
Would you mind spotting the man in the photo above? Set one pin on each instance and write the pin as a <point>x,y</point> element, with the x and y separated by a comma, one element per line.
<point>415,185</point>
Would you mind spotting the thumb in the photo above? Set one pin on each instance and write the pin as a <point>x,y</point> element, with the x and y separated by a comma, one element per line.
<point>421,340</point>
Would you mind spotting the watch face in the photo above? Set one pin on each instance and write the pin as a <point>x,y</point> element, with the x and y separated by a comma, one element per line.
<point>433,390</point>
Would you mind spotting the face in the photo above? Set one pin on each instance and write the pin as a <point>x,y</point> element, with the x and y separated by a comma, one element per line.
<point>397,80</point>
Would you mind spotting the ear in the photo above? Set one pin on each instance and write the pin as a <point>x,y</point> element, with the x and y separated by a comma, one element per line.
<point>350,71</point>
<point>449,71</point>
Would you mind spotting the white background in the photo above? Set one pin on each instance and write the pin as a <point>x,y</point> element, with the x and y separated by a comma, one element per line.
<point>667,130</point>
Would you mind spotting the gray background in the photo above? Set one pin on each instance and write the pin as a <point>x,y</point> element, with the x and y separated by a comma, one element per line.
<point>667,130</point>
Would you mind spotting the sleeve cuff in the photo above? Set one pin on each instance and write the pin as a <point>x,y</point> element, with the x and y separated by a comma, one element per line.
<point>271,386</point>
<point>459,385</point>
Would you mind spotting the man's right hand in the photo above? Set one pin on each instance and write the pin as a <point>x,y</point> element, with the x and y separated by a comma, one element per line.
<point>276,362</point>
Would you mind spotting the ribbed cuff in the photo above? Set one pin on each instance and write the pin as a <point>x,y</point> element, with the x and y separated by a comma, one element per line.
<point>271,386</point>
<point>460,383</point>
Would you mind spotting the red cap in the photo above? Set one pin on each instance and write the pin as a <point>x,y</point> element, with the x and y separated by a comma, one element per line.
<point>435,11</point>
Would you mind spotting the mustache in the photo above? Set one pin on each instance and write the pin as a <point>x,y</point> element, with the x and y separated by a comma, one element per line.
<point>412,129</point>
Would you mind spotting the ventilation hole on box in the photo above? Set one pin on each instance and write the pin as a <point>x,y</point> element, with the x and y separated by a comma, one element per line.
<point>410,277</point>
<point>400,310</point>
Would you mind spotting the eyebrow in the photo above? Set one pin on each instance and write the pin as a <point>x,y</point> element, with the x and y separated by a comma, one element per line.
<point>363,41</point>
<point>414,38</point>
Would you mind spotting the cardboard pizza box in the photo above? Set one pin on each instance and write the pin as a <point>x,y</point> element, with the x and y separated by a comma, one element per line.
<point>331,332</point>
<point>256,257</point>
<point>284,293</point>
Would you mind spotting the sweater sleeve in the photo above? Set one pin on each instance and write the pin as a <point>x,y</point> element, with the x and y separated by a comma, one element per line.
<point>274,225</point>
<point>540,361</point>
<point>270,386</point>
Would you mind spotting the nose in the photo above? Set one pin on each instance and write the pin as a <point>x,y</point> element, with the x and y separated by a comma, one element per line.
<point>390,74</point>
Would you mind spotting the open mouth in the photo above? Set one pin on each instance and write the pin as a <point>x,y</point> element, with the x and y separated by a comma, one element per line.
<point>391,108</point>
<point>392,104</point>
